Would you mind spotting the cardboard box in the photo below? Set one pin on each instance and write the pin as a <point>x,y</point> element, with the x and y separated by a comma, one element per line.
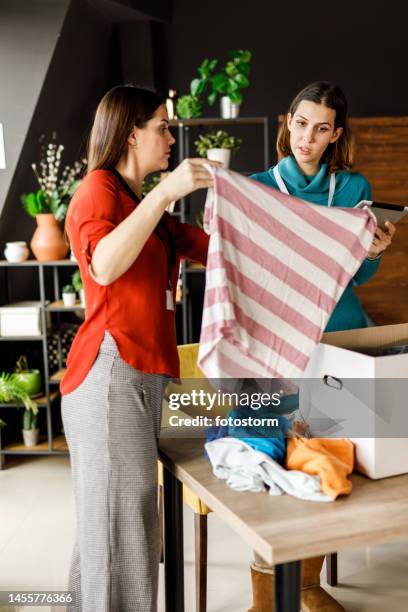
<point>21,319</point>
<point>351,391</point>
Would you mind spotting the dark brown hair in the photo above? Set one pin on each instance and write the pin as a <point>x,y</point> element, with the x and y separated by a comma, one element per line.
<point>339,154</point>
<point>120,109</point>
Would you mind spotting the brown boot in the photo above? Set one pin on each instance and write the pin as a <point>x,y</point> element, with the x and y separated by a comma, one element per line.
<point>263,589</point>
<point>313,597</point>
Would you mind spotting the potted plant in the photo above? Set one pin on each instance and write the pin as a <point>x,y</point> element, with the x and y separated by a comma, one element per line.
<point>189,107</point>
<point>230,82</point>
<point>68,295</point>
<point>11,390</point>
<point>217,146</point>
<point>30,379</point>
<point>78,286</point>
<point>49,204</point>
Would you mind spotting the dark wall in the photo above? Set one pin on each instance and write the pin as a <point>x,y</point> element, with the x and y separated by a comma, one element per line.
<point>97,49</point>
<point>360,45</point>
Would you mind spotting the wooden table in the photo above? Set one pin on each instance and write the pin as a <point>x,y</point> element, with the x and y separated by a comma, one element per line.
<point>283,530</point>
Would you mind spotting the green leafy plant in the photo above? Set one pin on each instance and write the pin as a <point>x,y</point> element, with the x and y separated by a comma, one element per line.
<point>233,78</point>
<point>189,107</point>
<point>56,190</point>
<point>77,281</point>
<point>12,391</point>
<point>217,140</point>
<point>150,184</point>
<point>68,289</point>
<point>198,86</point>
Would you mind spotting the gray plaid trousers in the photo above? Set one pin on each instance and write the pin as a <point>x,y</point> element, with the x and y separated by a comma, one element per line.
<point>112,424</point>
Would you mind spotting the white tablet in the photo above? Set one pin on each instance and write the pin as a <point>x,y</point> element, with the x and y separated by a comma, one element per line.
<point>385,212</point>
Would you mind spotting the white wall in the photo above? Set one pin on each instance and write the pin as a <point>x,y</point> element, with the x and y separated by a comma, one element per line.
<point>29,30</point>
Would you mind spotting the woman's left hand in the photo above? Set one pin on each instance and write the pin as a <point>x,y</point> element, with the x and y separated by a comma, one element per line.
<point>382,240</point>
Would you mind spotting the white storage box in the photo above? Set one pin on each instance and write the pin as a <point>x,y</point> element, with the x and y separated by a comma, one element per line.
<point>21,319</point>
<point>372,413</point>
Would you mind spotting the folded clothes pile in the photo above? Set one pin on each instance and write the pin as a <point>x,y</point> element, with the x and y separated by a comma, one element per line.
<point>318,469</point>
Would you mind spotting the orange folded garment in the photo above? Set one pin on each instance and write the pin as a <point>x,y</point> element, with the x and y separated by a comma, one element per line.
<point>332,460</point>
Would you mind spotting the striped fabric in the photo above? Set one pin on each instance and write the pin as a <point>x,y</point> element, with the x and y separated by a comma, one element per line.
<point>276,268</point>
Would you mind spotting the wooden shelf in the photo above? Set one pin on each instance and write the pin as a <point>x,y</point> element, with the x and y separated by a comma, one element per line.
<point>20,338</point>
<point>218,121</point>
<point>58,306</point>
<point>59,444</point>
<point>34,262</point>
<point>57,376</point>
<point>40,401</point>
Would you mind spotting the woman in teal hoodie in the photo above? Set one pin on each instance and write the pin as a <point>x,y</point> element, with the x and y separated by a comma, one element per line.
<point>316,159</point>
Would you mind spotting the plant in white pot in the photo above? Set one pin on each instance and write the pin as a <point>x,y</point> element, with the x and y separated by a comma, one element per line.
<point>78,286</point>
<point>68,295</point>
<point>12,390</point>
<point>218,146</point>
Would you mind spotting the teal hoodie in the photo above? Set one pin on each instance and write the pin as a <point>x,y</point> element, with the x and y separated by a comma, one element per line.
<point>351,187</point>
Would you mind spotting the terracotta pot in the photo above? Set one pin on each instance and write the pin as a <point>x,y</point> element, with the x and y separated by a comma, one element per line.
<point>48,242</point>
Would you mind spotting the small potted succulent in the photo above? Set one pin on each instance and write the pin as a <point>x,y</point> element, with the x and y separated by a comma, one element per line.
<point>218,146</point>
<point>78,286</point>
<point>11,390</point>
<point>68,295</point>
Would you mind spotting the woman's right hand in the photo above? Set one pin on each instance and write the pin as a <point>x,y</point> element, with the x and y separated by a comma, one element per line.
<point>189,176</point>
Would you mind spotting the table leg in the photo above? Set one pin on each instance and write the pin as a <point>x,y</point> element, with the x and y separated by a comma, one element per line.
<point>287,587</point>
<point>173,542</point>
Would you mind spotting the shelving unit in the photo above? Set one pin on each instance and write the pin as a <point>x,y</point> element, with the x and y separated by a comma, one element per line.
<point>49,444</point>
<point>184,127</point>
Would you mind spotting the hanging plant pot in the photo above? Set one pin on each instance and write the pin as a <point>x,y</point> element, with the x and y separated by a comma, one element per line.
<point>228,109</point>
<point>48,242</point>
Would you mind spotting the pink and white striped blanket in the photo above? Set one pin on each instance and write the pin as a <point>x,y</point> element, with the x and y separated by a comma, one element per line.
<point>276,268</point>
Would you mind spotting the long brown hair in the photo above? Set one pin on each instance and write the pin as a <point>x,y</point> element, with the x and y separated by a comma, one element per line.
<point>121,108</point>
<point>338,155</point>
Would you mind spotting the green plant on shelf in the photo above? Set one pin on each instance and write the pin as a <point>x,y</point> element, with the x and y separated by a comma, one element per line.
<point>77,281</point>
<point>56,189</point>
<point>150,184</point>
<point>68,289</point>
<point>29,378</point>
<point>12,391</point>
<point>217,140</point>
<point>189,107</point>
<point>233,78</point>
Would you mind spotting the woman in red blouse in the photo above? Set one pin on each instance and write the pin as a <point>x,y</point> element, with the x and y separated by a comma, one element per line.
<point>128,251</point>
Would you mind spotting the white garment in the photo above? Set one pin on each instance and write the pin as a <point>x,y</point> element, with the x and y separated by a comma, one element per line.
<point>246,469</point>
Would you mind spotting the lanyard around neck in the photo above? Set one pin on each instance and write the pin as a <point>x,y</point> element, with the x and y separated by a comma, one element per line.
<point>162,230</point>
<point>284,189</point>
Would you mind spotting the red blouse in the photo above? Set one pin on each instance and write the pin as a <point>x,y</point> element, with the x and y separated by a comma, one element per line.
<point>133,307</point>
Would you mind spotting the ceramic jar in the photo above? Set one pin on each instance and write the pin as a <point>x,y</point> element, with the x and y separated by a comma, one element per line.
<point>48,242</point>
<point>16,251</point>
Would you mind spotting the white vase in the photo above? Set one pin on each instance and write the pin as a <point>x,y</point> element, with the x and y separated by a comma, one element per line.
<point>16,252</point>
<point>69,299</point>
<point>31,436</point>
<point>220,155</point>
<point>228,109</point>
